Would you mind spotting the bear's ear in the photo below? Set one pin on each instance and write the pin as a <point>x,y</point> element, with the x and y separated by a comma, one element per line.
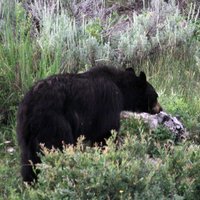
<point>130,69</point>
<point>143,76</point>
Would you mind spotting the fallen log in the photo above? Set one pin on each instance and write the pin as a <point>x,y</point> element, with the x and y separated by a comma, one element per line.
<point>173,124</point>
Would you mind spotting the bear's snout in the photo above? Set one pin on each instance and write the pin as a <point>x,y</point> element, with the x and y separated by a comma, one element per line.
<point>157,108</point>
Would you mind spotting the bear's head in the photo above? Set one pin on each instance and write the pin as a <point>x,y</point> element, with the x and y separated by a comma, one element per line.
<point>140,95</point>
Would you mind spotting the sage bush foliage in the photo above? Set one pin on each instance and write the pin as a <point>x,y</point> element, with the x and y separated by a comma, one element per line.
<point>67,41</point>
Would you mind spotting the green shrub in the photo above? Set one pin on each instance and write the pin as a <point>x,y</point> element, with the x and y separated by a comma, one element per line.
<point>95,29</point>
<point>118,172</point>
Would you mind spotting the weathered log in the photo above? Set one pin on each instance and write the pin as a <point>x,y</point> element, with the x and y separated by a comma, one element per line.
<point>173,124</point>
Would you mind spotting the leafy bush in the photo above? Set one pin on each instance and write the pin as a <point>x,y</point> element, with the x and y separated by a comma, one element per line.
<point>119,172</point>
<point>156,29</point>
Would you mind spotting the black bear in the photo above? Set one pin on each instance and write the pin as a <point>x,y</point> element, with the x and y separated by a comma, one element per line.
<point>64,106</point>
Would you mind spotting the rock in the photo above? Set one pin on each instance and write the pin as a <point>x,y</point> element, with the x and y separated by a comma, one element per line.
<point>171,123</point>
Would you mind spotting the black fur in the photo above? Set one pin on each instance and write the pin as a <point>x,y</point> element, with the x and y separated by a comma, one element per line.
<point>63,107</point>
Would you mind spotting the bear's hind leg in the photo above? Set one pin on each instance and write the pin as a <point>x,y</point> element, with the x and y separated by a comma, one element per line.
<point>53,132</point>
